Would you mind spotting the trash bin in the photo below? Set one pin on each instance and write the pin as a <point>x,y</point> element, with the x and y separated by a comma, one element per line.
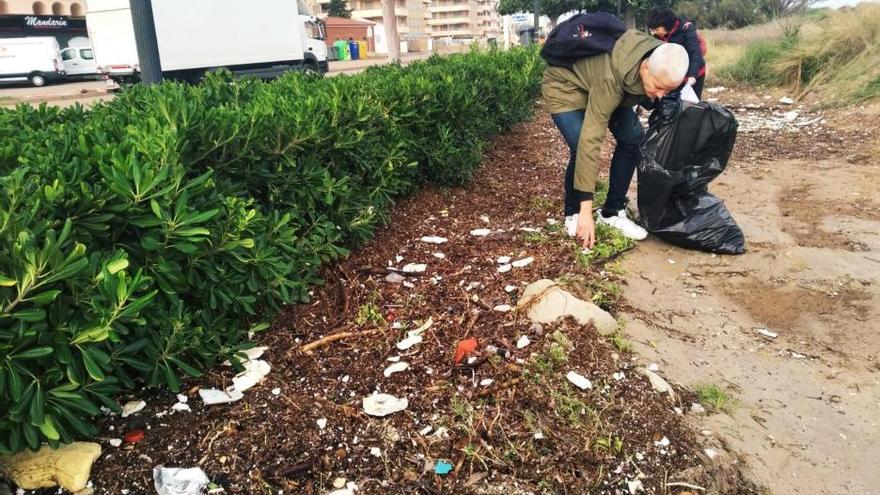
<point>341,49</point>
<point>354,50</point>
<point>362,49</point>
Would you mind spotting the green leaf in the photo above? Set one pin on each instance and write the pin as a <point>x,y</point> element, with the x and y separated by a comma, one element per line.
<point>189,370</point>
<point>36,352</point>
<point>30,315</point>
<point>94,334</point>
<point>44,297</point>
<point>91,366</point>
<point>154,205</point>
<point>7,282</point>
<point>193,231</point>
<point>14,384</point>
<point>37,403</point>
<point>201,217</point>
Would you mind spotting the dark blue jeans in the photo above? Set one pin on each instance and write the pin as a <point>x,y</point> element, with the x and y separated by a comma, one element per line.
<point>628,133</point>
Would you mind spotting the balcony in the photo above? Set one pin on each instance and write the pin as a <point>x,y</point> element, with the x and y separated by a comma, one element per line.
<point>373,13</point>
<point>449,20</point>
<point>450,8</point>
<point>452,32</point>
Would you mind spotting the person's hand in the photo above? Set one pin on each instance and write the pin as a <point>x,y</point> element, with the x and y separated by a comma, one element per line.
<point>691,81</point>
<point>586,230</point>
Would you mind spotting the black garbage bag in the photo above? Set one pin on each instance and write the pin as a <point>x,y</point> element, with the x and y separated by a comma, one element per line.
<point>687,146</point>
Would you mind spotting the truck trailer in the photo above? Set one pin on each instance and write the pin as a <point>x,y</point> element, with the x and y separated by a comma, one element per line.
<point>261,38</point>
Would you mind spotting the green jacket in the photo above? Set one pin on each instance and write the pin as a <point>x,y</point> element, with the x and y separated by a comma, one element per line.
<point>598,85</point>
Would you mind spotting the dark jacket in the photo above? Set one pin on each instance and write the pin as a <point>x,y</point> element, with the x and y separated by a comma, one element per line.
<point>684,33</point>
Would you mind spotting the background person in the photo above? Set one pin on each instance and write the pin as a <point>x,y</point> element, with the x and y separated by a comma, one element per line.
<point>666,26</point>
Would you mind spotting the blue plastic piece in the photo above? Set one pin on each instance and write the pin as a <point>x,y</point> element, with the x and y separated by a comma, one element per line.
<point>443,467</point>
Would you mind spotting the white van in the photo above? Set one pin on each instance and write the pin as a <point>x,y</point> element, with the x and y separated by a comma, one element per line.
<point>79,63</point>
<point>35,59</point>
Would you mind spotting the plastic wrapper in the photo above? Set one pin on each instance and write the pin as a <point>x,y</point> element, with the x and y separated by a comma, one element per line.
<point>687,147</point>
<point>179,481</point>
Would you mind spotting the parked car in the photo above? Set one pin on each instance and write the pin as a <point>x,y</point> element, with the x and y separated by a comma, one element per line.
<point>35,59</point>
<point>79,63</point>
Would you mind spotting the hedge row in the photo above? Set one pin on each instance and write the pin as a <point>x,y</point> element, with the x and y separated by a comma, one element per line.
<point>146,238</point>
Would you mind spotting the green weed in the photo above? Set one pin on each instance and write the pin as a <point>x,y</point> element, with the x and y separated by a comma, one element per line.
<point>716,398</point>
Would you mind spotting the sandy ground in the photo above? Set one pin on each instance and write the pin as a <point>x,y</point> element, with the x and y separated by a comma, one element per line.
<point>807,420</point>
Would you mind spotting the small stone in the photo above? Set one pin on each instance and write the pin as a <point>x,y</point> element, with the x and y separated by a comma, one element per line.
<point>537,329</point>
<point>509,288</point>
<point>394,278</point>
<point>545,302</point>
<point>697,408</point>
<point>182,398</point>
<point>116,442</point>
<point>579,380</point>
<point>523,262</point>
<point>432,239</point>
<point>767,333</point>
<point>339,482</point>
<point>503,260</point>
<point>414,268</point>
<point>659,384</point>
<point>480,232</point>
<point>132,407</point>
<point>653,367</point>
<point>381,405</point>
<point>322,423</point>
<point>523,342</point>
<point>504,268</point>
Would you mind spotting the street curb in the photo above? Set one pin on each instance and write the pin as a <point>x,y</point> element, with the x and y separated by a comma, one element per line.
<point>53,98</point>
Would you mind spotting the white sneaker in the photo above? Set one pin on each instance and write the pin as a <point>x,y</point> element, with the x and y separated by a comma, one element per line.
<point>622,223</point>
<point>571,224</point>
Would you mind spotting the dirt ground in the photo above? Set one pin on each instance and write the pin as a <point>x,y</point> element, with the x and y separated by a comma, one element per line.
<point>806,197</point>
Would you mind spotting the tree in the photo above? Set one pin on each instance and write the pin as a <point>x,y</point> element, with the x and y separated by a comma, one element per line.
<point>628,9</point>
<point>337,8</point>
<point>389,18</point>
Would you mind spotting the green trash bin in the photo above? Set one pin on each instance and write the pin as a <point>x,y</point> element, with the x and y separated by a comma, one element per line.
<point>341,49</point>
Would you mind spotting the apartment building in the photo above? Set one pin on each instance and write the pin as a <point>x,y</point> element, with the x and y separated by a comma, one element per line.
<point>424,24</point>
<point>72,8</point>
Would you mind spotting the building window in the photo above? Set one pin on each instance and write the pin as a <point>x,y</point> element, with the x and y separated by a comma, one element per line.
<point>57,8</point>
<point>76,10</point>
<point>40,8</point>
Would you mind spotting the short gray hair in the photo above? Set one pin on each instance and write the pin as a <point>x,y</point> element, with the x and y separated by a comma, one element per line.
<point>669,63</point>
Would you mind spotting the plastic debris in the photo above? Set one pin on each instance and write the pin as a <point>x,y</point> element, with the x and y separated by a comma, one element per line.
<point>579,380</point>
<point>767,333</point>
<point>409,342</point>
<point>653,367</point>
<point>116,442</point>
<point>509,288</point>
<point>443,467</point>
<point>442,432</point>
<point>426,325</point>
<point>523,342</point>
<point>618,376</point>
<point>529,229</point>
<point>395,368</point>
<point>339,482</point>
<point>322,423</point>
<point>276,391</point>
<point>432,239</point>
<point>179,481</point>
<point>376,452</point>
<point>414,268</point>
<point>424,431</point>
<point>635,486</point>
<point>480,232</point>
<point>504,268</point>
<point>134,436</point>
<point>785,100</point>
<point>486,382</point>
<point>465,347</point>
<point>539,435</point>
<point>523,262</point>
<point>503,308</point>
<point>254,372</point>
<point>252,353</point>
<point>697,408</point>
<point>180,407</point>
<point>659,384</point>
<point>663,442</point>
<point>211,396</point>
<point>439,256</point>
<point>381,405</point>
<point>503,260</point>
<point>132,407</point>
<point>710,453</point>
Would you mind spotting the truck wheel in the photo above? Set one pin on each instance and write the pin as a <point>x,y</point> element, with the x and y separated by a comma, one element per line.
<point>37,79</point>
<point>311,68</point>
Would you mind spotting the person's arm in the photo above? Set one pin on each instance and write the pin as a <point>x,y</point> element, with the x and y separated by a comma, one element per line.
<point>695,53</point>
<point>602,103</point>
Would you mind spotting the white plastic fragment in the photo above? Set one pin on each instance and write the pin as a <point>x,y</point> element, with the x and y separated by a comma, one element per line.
<point>509,288</point>
<point>116,442</point>
<point>182,398</point>
<point>503,260</point>
<point>618,376</point>
<point>179,481</point>
<point>392,359</point>
<point>414,268</point>
<point>653,367</point>
<point>504,268</point>
<point>394,278</point>
<point>421,329</point>
<point>480,232</point>
<point>180,407</point>
<point>211,396</point>
<point>254,372</point>
<point>486,382</point>
<point>252,353</point>
<point>381,405</point>
<point>484,218</point>
<point>395,368</point>
<point>710,453</point>
<point>523,342</point>
<point>785,100</point>
<point>376,452</point>
<point>767,333</point>
<point>339,482</point>
<point>350,489</point>
<point>132,407</point>
<point>276,391</point>
<point>635,486</point>
<point>439,256</point>
<point>663,442</point>
<point>579,380</point>
<point>426,430</point>
<point>409,285</point>
<point>539,435</point>
<point>659,384</point>
<point>433,239</point>
<point>322,423</point>
<point>529,229</point>
<point>523,262</point>
<point>409,342</point>
<point>503,308</point>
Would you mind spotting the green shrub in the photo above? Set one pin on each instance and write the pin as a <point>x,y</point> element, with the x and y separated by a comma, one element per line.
<point>148,237</point>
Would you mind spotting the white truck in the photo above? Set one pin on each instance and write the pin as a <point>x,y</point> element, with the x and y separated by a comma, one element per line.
<point>261,39</point>
<point>35,59</point>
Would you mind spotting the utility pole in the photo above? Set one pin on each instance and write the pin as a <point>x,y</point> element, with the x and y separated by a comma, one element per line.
<point>537,7</point>
<point>147,45</point>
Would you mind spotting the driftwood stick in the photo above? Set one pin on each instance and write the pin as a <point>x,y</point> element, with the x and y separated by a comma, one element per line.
<point>308,348</point>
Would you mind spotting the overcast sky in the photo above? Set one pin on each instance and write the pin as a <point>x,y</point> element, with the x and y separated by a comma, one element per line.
<point>840,3</point>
